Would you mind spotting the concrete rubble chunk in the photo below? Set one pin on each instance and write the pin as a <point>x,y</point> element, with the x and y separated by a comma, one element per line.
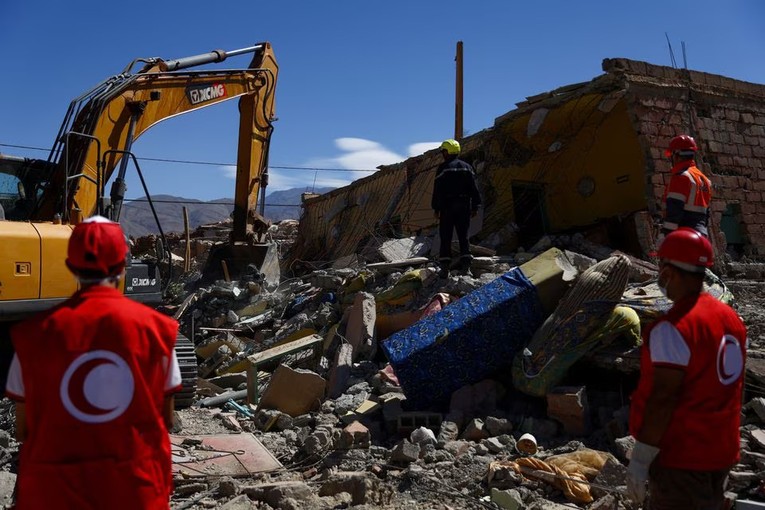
<point>449,432</point>
<point>507,499</point>
<point>228,487</point>
<point>294,392</point>
<point>356,435</point>
<point>281,495</point>
<point>423,436</point>
<point>360,328</point>
<point>242,502</point>
<point>569,406</point>
<point>340,371</point>
<point>613,474</point>
<point>608,502</point>
<point>497,426</point>
<point>405,452</point>
<point>623,447</point>
<point>474,431</point>
<point>758,406</point>
<point>494,445</point>
<point>7,485</point>
<point>392,250</point>
<point>364,489</point>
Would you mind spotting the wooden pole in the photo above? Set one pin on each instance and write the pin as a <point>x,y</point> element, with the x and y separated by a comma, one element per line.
<point>458,95</point>
<point>187,255</point>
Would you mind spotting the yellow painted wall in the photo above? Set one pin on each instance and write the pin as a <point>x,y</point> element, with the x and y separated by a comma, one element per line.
<point>591,135</point>
<point>574,141</point>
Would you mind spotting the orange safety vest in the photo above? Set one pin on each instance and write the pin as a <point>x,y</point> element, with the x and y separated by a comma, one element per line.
<point>687,198</point>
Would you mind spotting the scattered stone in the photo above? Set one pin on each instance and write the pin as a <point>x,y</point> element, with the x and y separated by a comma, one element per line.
<point>363,489</point>
<point>238,503</point>
<point>190,488</point>
<point>474,431</point>
<point>497,426</point>
<point>228,487</point>
<point>356,435</point>
<point>613,474</point>
<point>623,447</point>
<point>423,436</point>
<point>507,499</point>
<point>758,435</point>
<point>449,432</point>
<point>607,502</point>
<point>341,371</point>
<point>282,495</point>
<point>758,406</point>
<point>317,442</point>
<point>405,452</point>
<point>493,444</point>
<point>457,448</point>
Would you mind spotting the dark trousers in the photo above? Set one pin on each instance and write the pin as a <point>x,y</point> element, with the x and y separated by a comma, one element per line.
<point>455,216</point>
<point>681,489</point>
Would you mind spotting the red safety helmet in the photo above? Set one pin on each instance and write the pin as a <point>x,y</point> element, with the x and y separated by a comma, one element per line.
<point>97,246</point>
<point>681,143</point>
<point>687,249</point>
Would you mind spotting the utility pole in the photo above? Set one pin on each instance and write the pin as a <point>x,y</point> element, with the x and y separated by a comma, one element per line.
<point>458,95</point>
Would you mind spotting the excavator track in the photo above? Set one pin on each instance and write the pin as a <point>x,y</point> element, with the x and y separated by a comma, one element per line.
<point>187,362</point>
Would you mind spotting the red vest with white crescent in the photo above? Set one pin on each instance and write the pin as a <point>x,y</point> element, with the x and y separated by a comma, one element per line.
<point>94,373</point>
<point>703,433</point>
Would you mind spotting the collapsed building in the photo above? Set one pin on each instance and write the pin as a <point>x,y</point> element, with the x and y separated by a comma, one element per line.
<point>364,379</point>
<point>584,155</point>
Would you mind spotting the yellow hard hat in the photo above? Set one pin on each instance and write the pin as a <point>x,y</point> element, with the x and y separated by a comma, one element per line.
<point>451,146</point>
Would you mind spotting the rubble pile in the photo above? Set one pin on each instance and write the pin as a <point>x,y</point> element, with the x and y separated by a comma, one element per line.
<point>303,370</point>
<point>307,395</point>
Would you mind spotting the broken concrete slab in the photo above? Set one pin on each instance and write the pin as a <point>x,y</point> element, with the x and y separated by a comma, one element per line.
<point>253,363</point>
<point>360,328</point>
<point>294,392</point>
<point>235,455</point>
<point>393,250</point>
<point>340,371</point>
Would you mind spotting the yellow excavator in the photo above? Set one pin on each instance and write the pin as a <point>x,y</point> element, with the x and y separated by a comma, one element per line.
<point>41,200</point>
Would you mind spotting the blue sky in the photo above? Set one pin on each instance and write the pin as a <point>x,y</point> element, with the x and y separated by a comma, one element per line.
<point>360,83</point>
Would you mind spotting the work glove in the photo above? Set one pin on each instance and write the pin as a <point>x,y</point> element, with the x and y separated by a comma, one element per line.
<point>637,472</point>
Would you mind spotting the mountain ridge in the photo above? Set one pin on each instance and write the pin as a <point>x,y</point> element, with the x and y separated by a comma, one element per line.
<point>137,219</point>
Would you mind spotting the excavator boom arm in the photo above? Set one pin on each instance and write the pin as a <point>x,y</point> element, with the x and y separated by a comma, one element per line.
<point>111,119</point>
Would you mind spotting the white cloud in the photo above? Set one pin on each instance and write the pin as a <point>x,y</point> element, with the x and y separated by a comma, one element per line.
<point>358,154</point>
<point>421,148</point>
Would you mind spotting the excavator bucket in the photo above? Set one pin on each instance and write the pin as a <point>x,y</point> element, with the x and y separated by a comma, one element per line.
<point>232,262</point>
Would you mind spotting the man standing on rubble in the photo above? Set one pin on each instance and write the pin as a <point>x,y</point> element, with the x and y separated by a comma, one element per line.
<point>686,409</point>
<point>455,201</point>
<point>93,380</point>
<point>688,195</point>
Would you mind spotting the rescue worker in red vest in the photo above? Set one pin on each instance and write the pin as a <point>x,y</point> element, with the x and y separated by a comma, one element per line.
<point>685,411</point>
<point>455,200</point>
<point>93,380</point>
<point>688,195</point>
